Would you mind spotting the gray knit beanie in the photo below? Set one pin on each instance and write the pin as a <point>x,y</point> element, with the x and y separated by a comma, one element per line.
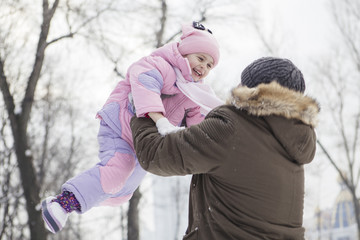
<point>268,69</point>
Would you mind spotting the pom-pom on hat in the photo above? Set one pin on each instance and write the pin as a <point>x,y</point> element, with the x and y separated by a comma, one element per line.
<point>198,40</point>
<point>268,69</point>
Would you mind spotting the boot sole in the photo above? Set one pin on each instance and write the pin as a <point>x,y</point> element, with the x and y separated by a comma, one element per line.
<point>50,221</point>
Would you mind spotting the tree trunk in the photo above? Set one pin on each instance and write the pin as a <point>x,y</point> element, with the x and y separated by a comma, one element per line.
<point>29,183</point>
<point>19,123</point>
<point>133,217</point>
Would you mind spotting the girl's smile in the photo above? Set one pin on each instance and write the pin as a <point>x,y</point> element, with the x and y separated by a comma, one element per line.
<point>200,65</point>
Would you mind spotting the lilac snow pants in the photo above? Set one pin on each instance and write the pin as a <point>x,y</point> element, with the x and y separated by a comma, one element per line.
<point>113,180</point>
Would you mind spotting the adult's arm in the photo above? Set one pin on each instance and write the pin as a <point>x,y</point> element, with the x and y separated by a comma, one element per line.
<point>198,149</point>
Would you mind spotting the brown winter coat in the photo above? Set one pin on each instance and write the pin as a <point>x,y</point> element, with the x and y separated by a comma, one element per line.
<point>247,160</point>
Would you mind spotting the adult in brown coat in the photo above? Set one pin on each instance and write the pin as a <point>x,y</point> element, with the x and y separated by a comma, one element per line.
<point>246,157</point>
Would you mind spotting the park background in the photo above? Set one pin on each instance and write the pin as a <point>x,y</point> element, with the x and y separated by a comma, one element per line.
<point>60,59</point>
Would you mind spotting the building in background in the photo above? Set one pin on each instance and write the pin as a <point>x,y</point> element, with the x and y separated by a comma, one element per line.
<point>337,223</point>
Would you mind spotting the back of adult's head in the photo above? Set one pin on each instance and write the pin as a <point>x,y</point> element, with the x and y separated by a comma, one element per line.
<point>268,69</point>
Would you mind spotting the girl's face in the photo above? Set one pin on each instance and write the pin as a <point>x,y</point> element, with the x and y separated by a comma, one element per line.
<point>200,64</point>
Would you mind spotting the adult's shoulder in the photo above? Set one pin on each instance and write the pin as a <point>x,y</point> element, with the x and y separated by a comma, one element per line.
<point>227,112</point>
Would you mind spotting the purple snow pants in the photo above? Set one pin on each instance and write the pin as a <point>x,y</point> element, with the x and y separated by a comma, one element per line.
<point>113,180</point>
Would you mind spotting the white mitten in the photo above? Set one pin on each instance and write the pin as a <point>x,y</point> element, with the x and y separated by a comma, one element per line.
<point>165,127</point>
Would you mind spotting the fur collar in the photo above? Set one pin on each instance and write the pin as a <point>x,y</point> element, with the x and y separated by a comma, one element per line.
<point>274,99</point>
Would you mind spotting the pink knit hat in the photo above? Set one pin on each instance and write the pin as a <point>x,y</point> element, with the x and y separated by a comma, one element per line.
<point>198,41</point>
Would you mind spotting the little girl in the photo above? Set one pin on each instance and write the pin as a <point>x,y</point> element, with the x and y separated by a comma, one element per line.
<point>165,86</point>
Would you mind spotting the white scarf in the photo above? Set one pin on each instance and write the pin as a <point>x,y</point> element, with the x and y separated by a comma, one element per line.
<point>200,93</point>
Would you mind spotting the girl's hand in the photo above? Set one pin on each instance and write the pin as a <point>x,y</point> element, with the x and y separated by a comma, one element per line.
<point>165,127</point>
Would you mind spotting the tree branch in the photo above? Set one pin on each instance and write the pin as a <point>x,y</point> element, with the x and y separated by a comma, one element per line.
<point>71,34</point>
<point>160,33</point>
<point>8,98</point>
<point>349,39</point>
<point>343,177</point>
<point>38,63</point>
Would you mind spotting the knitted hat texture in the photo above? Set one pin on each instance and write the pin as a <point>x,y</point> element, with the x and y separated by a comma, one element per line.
<point>268,69</point>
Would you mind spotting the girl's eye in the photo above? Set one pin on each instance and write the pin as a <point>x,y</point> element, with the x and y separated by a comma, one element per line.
<point>209,66</point>
<point>200,59</point>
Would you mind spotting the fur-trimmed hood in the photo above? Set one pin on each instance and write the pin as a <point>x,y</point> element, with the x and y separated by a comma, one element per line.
<point>274,99</point>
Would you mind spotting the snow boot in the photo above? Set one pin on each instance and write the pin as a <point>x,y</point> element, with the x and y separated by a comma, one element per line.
<point>53,214</point>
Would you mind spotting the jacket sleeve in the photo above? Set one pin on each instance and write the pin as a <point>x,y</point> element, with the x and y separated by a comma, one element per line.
<point>147,79</point>
<point>195,150</point>
<point>194,116</point>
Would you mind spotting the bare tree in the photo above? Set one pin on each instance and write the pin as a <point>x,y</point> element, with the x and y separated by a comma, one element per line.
<point>19,102</point>
<point>19,123</point>
<point>9,200</point>
<point>133,217</point>
<point>339,76</point>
